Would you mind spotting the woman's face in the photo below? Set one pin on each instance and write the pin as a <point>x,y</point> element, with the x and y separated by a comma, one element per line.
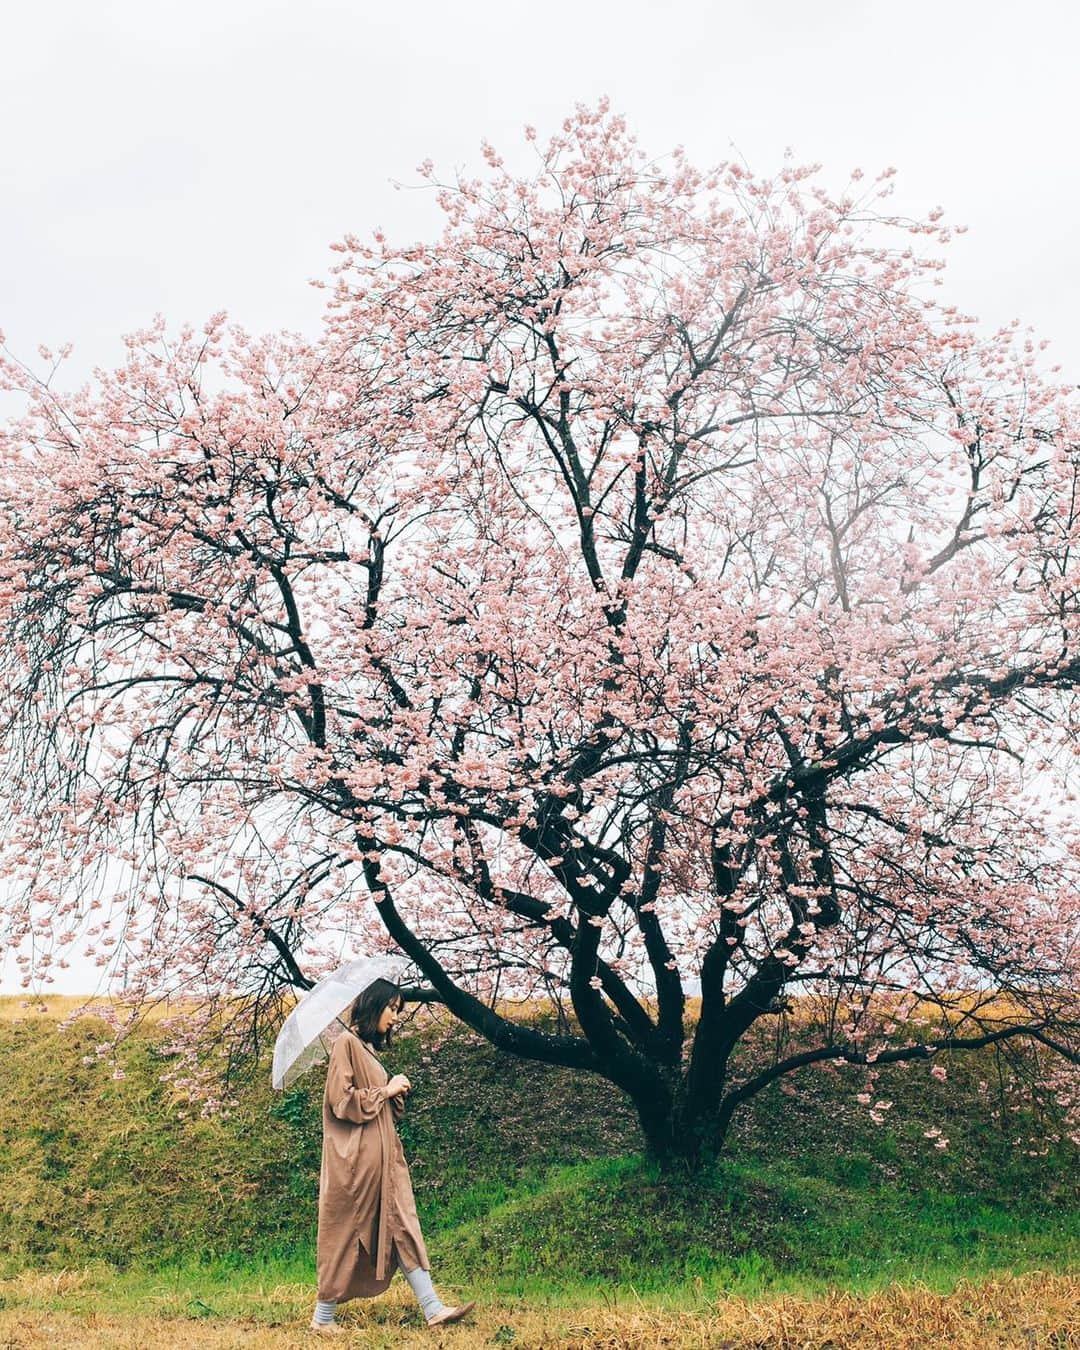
<point>389,1016</point>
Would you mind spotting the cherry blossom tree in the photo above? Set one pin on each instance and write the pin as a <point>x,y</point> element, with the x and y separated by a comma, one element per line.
<point>650,580</point>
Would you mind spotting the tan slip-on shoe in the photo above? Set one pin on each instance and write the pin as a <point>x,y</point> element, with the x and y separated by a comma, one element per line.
<point>327,1328</point>
<point>452,1314</point>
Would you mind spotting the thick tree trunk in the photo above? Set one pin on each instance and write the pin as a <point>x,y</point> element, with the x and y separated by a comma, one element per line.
<point>682,1137</point>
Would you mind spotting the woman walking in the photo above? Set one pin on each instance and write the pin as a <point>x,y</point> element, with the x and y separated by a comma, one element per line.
<point>368,1226</point>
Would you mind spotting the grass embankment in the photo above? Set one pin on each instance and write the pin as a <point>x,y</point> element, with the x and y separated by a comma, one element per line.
<point>116,1204</point>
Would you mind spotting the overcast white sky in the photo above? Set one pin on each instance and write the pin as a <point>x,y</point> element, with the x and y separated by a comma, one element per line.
<point>196,156</point>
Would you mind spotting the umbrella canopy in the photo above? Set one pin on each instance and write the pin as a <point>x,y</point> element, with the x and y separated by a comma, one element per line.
<point>304,1039</point>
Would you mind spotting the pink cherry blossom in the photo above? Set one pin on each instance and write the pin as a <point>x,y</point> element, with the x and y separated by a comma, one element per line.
<point>647,580</point>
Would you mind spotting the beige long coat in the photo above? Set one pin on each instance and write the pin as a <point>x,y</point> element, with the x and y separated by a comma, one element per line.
<point>368,1224</point>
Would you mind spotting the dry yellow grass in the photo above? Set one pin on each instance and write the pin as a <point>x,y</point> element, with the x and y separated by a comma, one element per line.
<point>55,1007</point>
<point>1034,1310</point>
<point>17,1007</point>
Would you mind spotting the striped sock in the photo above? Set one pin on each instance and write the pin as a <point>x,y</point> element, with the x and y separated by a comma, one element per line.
<point>324,1312</point>
<point>420,1284</point>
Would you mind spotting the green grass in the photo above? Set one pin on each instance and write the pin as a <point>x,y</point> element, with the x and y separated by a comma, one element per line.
<point>744,1229</point>
<point>529,1181</point>
<point>613,1226</point>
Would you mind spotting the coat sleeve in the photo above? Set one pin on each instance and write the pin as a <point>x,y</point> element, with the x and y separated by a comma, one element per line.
<point>348,1099</point>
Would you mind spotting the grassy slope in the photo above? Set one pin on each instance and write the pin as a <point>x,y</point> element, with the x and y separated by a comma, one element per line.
<point>528,1181</point>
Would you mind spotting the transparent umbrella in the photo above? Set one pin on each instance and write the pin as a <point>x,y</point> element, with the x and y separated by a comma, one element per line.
<point>306,1034</point>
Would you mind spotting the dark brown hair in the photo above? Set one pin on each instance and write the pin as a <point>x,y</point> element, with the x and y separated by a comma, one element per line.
<point>368,1007</point>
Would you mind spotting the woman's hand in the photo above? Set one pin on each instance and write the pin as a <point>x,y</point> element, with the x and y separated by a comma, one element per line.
<point>398,1086</point>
